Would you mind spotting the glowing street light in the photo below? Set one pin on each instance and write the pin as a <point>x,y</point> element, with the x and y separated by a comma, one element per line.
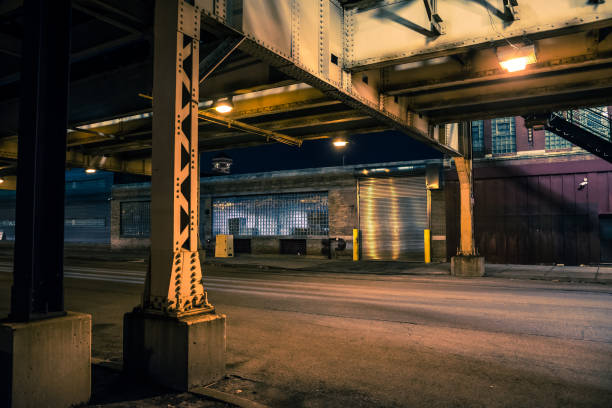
<point>224,105</point>
<point>340,144</point>
<point>516,58</point>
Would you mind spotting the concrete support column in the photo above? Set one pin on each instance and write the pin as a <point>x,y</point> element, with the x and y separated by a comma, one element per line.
<point>175,337</point>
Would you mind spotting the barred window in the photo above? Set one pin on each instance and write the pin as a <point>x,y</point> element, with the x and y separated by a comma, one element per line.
<point>503,135</point>
<point>135,219</point>
<point>478,137</point>
<point>292,214</point>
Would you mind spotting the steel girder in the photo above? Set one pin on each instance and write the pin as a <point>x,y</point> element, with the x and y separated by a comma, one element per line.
<point>310,41</point>
<point>384,34</point>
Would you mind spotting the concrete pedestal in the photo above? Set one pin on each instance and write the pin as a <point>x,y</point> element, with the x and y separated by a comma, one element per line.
<point>46,363</point>
<point>467,266</point>
<point>180,353</point>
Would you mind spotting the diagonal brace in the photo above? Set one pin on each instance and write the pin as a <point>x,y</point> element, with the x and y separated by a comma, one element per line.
<point>437,25</point>
<point>511,10</point>
<point>217,56</point>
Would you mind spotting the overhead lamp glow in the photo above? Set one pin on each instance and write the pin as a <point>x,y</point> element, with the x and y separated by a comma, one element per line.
<point>90,170</point>
<point>340,143</point>
<point>224,105</point>
<point>516,58</point>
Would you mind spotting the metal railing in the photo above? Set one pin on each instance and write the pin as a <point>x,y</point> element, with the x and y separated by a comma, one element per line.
<point>589,119</point>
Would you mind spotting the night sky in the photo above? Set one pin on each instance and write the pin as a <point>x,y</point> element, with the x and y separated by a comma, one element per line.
<point>371,148</point>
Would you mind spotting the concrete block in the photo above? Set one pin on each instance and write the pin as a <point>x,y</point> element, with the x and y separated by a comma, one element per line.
<point>180,353</point>
<point>467,266</point>
<point>46,363</point>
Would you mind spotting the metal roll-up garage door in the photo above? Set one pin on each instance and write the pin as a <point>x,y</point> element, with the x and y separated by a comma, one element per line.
<point>392,217</point>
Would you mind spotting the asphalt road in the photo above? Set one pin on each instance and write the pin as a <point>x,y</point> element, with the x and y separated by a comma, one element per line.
<point>329,340</point>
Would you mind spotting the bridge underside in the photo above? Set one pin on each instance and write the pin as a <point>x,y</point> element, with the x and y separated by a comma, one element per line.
<point>142,85</point>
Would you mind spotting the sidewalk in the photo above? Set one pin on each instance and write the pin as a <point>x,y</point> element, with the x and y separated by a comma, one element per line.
<point>84,255</point>
<point>590,274</point>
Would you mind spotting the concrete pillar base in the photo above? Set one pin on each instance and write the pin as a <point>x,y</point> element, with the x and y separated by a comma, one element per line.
<point>180,353</point>
<point>467,266</point>
<point>46,363</point>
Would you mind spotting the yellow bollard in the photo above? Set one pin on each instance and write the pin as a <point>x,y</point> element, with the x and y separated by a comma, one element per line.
<point>426,236</point>
<point>355,244</point>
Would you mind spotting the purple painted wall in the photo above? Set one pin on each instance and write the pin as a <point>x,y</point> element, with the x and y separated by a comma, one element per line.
<point>532,212</point>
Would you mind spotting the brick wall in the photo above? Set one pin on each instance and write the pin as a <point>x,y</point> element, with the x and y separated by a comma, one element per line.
<point>438,226</point>
<point>342,211</point>
<point>140,192</point>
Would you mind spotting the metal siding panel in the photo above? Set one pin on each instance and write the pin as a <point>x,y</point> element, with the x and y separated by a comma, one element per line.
<point>393,215</point>
<point>91,222</point>
<point>556,193</point>
<point>569,220</point>
<point>583,222</point>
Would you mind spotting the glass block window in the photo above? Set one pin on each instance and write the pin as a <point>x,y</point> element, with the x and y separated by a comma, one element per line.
<point>135,219</point>
<point>503,135</point>
<point>556,142</point>
<point>292,214</point>
<point>478,137</point>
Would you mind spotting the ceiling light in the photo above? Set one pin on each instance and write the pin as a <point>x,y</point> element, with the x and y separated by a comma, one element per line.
<point>223,105</point>
<point>90,170</point>
<point>516,58</point>
<point>340,143</point>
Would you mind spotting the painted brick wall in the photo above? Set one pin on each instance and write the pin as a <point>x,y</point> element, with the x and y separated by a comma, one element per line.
<point>438,226</point>
<point>342,211</point>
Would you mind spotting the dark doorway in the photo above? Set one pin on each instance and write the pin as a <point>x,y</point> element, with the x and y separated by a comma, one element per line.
<point>242,246</point>
<point>605,237</point>
<point>293,246</point>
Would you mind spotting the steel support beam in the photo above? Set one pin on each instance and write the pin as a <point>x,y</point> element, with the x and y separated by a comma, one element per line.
<point>37,290</point>
<point>464,171</point>
<point>174,284</point>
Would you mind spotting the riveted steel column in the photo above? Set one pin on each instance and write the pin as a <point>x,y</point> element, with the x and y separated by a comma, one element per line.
<point>37,290</point>
<point>174,284</point>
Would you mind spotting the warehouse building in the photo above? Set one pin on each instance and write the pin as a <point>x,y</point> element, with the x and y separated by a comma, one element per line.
<point>538,200</point>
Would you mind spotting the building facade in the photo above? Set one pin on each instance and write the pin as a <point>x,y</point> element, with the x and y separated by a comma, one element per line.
<point>537,200</point>
<point>302,212</point>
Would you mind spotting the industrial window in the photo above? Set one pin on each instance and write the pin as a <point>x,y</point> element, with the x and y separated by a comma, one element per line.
<point>293,214</point>
<point>135,219</point>
<point>478,137</point>
<point>503,135</point>
<point>556,142</point>
<point>594,119</point>
<point>84,222</point>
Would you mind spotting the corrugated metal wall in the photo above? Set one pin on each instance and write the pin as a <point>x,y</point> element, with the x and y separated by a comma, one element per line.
<point>539,219</point>
<point>87,209</point>
<point>392,217</point>
<point>87,220</point>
